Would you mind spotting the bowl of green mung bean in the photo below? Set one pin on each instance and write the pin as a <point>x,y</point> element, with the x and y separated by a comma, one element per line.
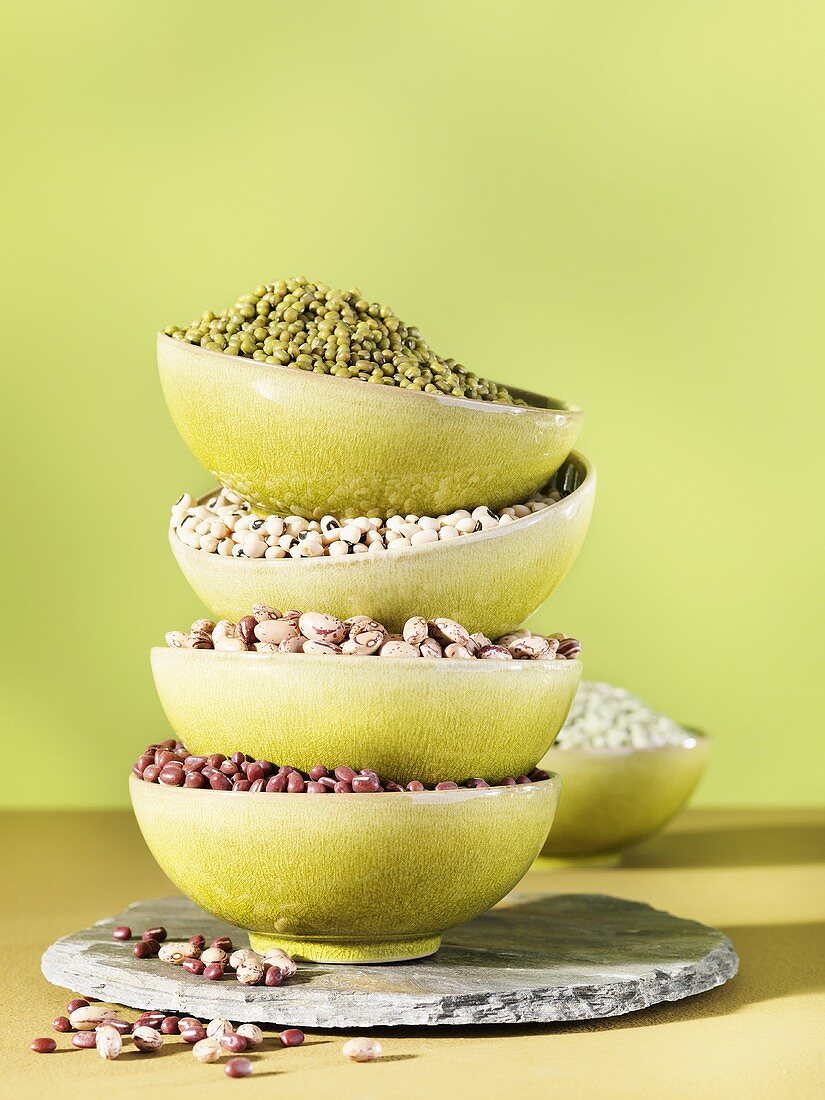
<point>258,394</point>
<point>490,570</point>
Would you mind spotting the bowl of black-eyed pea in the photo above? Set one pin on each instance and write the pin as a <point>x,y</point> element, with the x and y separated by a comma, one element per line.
<point>312,401</point>
<point>388,567</point>
<point>431,702</point>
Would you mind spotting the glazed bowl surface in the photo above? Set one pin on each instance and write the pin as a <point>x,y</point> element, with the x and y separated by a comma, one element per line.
<point>491,581</point>
<point>346,878</point>
<point>430,719</point>
<point>616,797</point>
<point>308,444</point>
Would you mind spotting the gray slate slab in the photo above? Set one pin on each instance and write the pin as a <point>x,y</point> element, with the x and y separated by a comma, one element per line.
<point>535,958</point>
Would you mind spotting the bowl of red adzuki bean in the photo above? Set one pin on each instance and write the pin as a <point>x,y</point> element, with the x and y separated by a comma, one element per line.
<point>336,863</point>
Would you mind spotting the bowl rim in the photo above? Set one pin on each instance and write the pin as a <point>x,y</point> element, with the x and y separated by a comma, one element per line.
<point>474,538</point>
<point>363,660</point>
<point>693,739</point>
<point>567,410</point>
<point>553,782</point>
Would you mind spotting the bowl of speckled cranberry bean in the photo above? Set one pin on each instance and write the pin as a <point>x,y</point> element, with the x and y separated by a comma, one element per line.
<point>432,701</point>
<point>309,400</point>
<point>489,569</point>
<point>337,864</point>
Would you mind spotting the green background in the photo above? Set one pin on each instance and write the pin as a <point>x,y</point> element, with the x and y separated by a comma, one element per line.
<point>616,203</point>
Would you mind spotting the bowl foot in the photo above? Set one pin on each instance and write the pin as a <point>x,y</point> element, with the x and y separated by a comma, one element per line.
<point>347,951</point>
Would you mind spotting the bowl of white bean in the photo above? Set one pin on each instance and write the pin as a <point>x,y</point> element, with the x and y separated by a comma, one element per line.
<point>297,442</point>
<point>627,771</point>
<point>489,570</point>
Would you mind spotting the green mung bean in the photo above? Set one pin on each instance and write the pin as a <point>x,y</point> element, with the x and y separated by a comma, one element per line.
<point>310,327</point>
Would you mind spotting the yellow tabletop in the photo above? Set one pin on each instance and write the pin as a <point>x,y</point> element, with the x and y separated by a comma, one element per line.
<point>758,875</point>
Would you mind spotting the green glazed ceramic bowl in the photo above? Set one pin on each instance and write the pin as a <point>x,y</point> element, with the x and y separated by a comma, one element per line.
<point>308,444</point>
<point>616,797</point>
<point>407,718</point>
<point>347,878</point>
<point>525,561</point>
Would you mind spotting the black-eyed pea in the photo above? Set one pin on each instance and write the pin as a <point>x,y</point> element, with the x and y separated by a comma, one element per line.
<point>421,538</point>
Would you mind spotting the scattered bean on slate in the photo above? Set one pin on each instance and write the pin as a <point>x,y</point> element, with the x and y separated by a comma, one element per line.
<point>309,326</point>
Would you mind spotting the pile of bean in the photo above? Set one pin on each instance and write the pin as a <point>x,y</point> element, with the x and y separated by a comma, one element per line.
<point>95,1026</point>
<point>212,962</point>
<point>171,764</point>
<point>309,326</point>
<point>226,525</point>
<point>268,630</point>
<point>604,716</point>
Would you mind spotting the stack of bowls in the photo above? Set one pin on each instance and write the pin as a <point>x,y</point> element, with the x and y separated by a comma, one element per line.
<point>366,877</point>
